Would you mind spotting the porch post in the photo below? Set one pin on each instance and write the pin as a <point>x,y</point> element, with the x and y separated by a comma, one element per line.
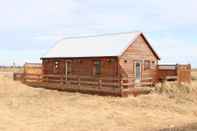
<point>66,71</point>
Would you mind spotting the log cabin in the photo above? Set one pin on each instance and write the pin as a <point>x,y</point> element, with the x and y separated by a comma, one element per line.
<point>116,56</point>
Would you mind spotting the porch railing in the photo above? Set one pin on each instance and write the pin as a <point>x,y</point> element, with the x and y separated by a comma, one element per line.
<point>179,73</point>
<point>78,80</point>
<point>125,82</point>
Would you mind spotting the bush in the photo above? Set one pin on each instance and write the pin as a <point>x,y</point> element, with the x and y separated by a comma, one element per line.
<point>141,90</point>
<point>194,78</point>
<point>173,89</point>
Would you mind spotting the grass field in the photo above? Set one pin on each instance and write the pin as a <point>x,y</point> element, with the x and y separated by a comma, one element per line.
<point>194,74</point>
<point>10,69</point>
<point>25,108</point>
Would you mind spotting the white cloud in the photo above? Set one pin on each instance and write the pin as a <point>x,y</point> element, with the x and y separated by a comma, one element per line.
<point>176,11</point>
<point>142,14</point>
<point>35,13</point>
<point>175,50</point>
<point>50,20</point>
<point>148,15</point>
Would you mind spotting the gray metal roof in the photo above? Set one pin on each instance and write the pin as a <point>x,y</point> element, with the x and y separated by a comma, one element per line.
<point>93,46</point>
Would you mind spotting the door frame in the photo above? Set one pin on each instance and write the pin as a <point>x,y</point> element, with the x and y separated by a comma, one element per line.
<point>66,68</point>
<point>135,63</point>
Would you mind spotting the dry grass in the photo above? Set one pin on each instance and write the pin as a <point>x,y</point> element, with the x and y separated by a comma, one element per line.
<point>194,74</point>
<point>10,69</point>
<point>33,109</point>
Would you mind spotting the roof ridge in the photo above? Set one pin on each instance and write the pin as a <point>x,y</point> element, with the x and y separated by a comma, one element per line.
<point>99,35</point>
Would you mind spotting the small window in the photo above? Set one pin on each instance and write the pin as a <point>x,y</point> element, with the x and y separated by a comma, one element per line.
<point>56,64</point>
<point>55,67</point>
<point>97,67</point>
<point>146,64</point>
<point>153,65</point>
<point>110,60</point>
<point>79,61</point>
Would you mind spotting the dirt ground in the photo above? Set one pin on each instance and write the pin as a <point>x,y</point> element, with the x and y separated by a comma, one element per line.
<point>25,108</point>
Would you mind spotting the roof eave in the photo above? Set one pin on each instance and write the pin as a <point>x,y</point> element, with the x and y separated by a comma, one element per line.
<point>77,57</point>
<point>154,52</point>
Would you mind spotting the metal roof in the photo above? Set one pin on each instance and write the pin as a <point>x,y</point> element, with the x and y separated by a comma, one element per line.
<point>93,46</point>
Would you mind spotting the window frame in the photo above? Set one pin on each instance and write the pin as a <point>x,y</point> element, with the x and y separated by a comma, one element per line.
<point>147,64</point>
<point>69,67</point>
<point>97,67</point>
<point>56,66</point>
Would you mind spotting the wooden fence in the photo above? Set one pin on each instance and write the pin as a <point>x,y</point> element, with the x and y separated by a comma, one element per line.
<point>179,73</point>
<point>184,73</point>
<point>101,85</point>
<point>88,84</point>
<point>33,68</point>
<point>18,76</point>
<point>29,68</point>
<point>71,79</point>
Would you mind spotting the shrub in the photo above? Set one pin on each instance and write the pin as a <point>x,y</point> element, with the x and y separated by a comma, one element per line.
<point>173,89</point>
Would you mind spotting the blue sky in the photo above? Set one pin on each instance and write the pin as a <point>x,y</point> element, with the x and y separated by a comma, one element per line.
<point>28,28</point>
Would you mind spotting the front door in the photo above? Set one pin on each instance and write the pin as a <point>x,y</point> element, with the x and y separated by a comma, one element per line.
<point>137,72</point>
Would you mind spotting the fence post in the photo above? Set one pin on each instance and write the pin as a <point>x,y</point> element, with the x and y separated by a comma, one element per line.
<point>24,77</point>
<point>61,80</point>
<point>100,83</point>
<point>14,76</point>
<point>47,79</point>
<point>65,80</point>
<point>178,74</point>
<point>79,81</point>
<point>121,87</point>
<point>40,78</point>
<point>189,68</point>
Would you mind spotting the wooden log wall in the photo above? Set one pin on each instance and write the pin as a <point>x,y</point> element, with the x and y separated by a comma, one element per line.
<point>81,66</point>
<point>139,52</point>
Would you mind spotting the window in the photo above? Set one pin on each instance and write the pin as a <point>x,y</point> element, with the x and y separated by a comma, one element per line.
<point>56,66</point>
<point>97,67</point>
<point>110,60</point>
<point>153,65</point>
<point>79,61</point>
<point>146,64</point>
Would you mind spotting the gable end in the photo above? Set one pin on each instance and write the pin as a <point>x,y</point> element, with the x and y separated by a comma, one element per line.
<point>146,41</point>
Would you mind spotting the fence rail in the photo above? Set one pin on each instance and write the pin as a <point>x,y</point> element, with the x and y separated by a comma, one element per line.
<point>179,73</point>
<point>76,80</point>
<point>125,82</point>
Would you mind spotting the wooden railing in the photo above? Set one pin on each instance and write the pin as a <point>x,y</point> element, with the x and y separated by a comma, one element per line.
<point>125,82</point>
<point>18,76</point>
<point>179,73</point>
<point>76,80</point>
<point>147,81</point>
